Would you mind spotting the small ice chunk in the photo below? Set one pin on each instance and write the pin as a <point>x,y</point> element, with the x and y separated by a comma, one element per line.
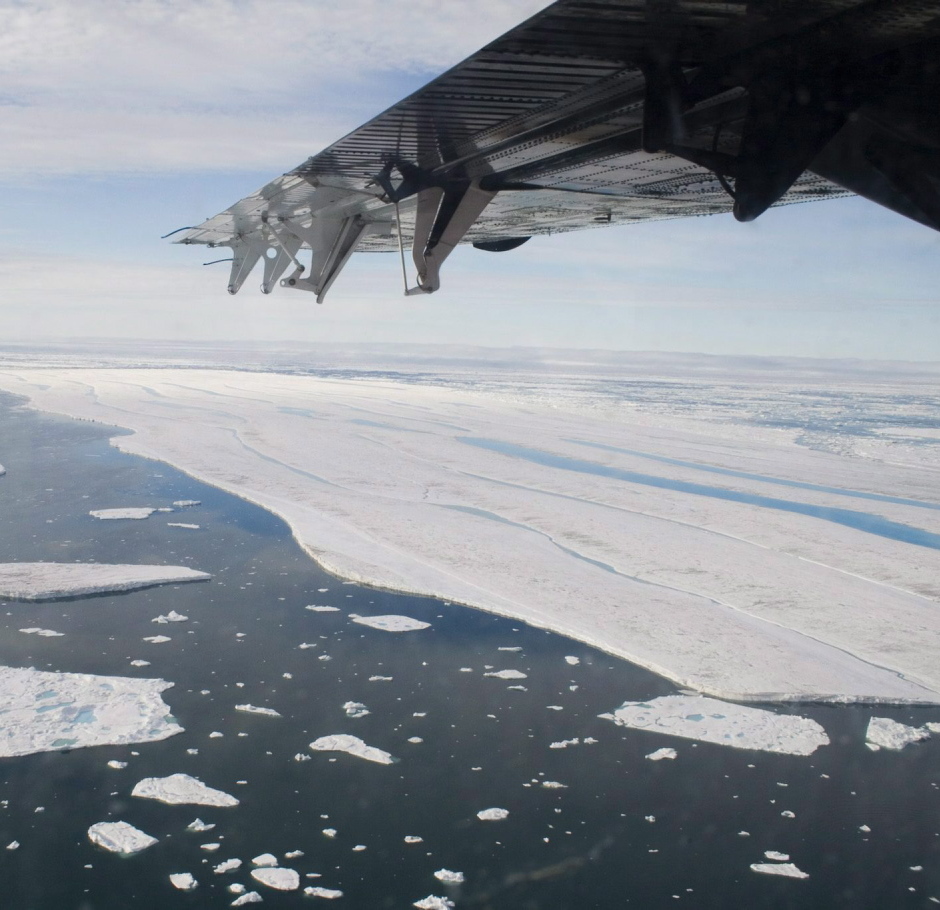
<point>359,848</point>
<point>329,894</point>
<point>293,854</point>
<point>277,878</point>
<point>321,608</point>
<point>330,832</point>
<point>252,709</point>
<point>788,814</point>
<point>265,859</point>
<point>564,743</point>
<point>199,826</point>
<point>185,503</point>
<point>140,663</point>
<point>229,865</point>
<point>172,616</point>
<point>516,648</point>
<point>215,734</point>
<point>507,674</point>
<point>180,789</point>
<point>183,881</point>
<point>492,815</point>
<point>44,633</point>
<point>117,765</point>
<point>391,623</point>
<point>210,848</point>
<point>889,734</point>
<point>787,869</point>
<point>415,740</point>
<point>776,856</point>
<point>355,709</point>
<point>135,514</point>
<point>449,877</point>
<point>249,897</point>
<point>554,785</point>
<point>864,829</point>
<point>413,839</point>
<point>380,679</point>
<point>13,845</point>
<point>182,524</point>
<point>660,754</point>
<point>120,837</point>
<point>300,756</point>
<point>158,639</point>
<point>236,888</point>
<point>744,833</point>
<point>434,903</point>
<point>572,661</point>
<point>343,742</point>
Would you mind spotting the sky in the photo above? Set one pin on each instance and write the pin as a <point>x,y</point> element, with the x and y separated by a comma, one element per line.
<point>124,119</point>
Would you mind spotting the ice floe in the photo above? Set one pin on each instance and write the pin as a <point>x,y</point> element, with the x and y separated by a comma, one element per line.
<point>431,902</point>
<point>320,608</point>
<point>43,633</point>
<point>413,839</point>
<point>506,674</point>
<point>181,789</point>
<point>254,709</point>
<point>117,765</point>
<point>186,503</point>
<point>182,524</point>
<point>135,514</point>
<point>51,580</point>
<point>198,825</point>
<point>787,869</point>
<point>330,894</point>
<point>492,815</point>
<point>265,859</point>
<point>172,616</point>
<point>554,785</point>
<point>120,837</point>
<point>344,742</point>
<point>777,856</point>
<point>184,881</point>
<point>391,623</point>
<point>277,878</point>
<point>708,720</point>
<point>885,733</point>
<point>229,865</point>
<point>355,709</point>
<point>572,661</point>
<point>158,639</point>
<point>249,897</point>
<point>45,711</point>
<point>13,845</point>
<point>660,754</point>
<point>449,877</point>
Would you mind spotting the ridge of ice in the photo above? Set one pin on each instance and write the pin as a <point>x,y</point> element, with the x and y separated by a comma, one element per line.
<point>181,789</point>
<point>391,623</point>
<point>344,742</point>
<point>120,837</point>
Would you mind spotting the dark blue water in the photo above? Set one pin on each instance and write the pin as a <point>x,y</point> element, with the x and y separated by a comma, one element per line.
<point>860,521</point>
<point>588,845</point>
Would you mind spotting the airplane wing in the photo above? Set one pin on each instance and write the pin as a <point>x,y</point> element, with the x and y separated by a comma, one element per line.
<point>601,112</point>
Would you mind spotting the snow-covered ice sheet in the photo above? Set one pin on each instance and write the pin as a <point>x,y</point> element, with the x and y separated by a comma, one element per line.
<point>120,837</point>
<point>391,623</point>
<point>724,597</point>
<point>182,789</point>
<point>44,711</point>
<point>885,733</point>
<point>50,580</point>
<point>344,742</point>
<point>708,720</point>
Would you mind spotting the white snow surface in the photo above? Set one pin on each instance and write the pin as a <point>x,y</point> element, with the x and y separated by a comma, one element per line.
<point>344,742</point>
<point>44,711</point>
<point>787,869</point>
<point>49,580</point>
<point>708,720</point>
<point>181,789</point>
<point>886,733</point>
<point>727,598</point>
<point>120,837</point>
<point>134,514</point>
<point>276,877</point>
<point>391,623</point>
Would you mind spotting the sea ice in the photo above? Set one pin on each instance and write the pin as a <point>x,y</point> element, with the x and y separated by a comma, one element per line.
<point>45,633</point>
<point>449,877</point>
<point>179,789</point>
<point>434,903</point>
<point>253,709</point>
<point>13,845</point>
<point>172,616</point>
<point>787,869</point>
<point>51,580</point>
<point>885,733</point>
<point>355,709</point>
<point>554,785</point>
<point>140,663</point>
<point>182,524</point>
<point>413,839</point>
<point>249,897</point>
<point>265,859</point>
<point>199,825</point>
<point>44,711</point>
<point>117,765</point>
<point>343,742</point>
<point>158,639</point>
<point>132,513</point>
<point>120,837</point>
<point>329,894</point>
<point>315,608</point>
<point>660,754</point>
<point>229,865</point>
<point>184,503</point>
<point>776,856</point>
<point>507,674</point>
<point>380,679</point>
<point>210,848</point>
<point>492,815</point>
<point>708,720</point>
<point>391,623</point>
<point>572,661</point>
<point>277,878</point>
<point>183,880</point>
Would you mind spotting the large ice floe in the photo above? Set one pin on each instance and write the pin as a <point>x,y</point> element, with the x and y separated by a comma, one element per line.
<point>885,733</point>
<point>182,789</point>
<point>51,580</point>
<point>132,514</point>
<point>41,711</point>
<point>712,721</point>
<point>120,837</point>
<point>344,742</point>
<point>548,501</point>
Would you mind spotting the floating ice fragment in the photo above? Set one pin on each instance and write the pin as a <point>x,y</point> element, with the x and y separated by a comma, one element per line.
<point>277,878</point>
<point>172,616</point>
<point>182,524</point>
<point>492,815</point>
<point>507,674</point>
<point>434,903</point>
<point>131,513</point>
<point>564,743</point>
<point>343,742</point>
<point>554,785</point>
<point>185,503</point>
<point>413,839</point>
<point>215,734</point>
<point>650,818</point>
<point>252,709</point>
<point>572,661</point>
<point>236,888</point>
<point>359,848</point>
<point>776,856</point>
<point>199,826</point>
<point>120,837</point>
<point>380,679</point>
<point>117,765</point>
<point>317,608</point>
<point>249,897</point>
<point>265,859</point>
<point>709,720</point>
<point>210,848</point>
<point>787,869</point>
<point>183,880</point>
<point>466,669</point>
<point>293,854</point>
<point>864,829</point>
<point>449,877</point>
<point>788,814</point>
<point>391,623</point>
<point>45,633</point>
<point>329,894</point>
<point>889,734</point>
<point>158,639</point>
<point>660,754</point>
<point>330,832</point>
<point>229,865</point>
<point>355,709</point>
<point>300,756</point>
<point>509,649</point>
<point>140,663</point>
<point>744,833</point>
<point>415,740</point>
<point>179,789</point>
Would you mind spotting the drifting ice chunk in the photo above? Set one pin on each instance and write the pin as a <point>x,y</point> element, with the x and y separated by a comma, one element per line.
<point>117,765</point>
<point>355,709</point>
<point>265,859</point>
<point>564,743</point>
<point>184,503</point>
<point>13,845</point>
<point>182,524</point>
<point>277,878</point>
<point>572,661</point>
<point>158,639</point>
<point>787,869</point>
<point>554,785</point>
<point>321,609</point>
<point>343,742</point>
<point>885,733</point>
<point>49,580</point>
<point>391,623</point>
<point>660,754</point>
<point>709,720</point>
<point>183,880</point>
<point>250,897</point>
<point>172,616</point>
<point>448,877</point>
<point>776,856</point>
<point>230,865</point>
<point>132,513</point>
<point>329,894</point>
<point>199,826</point>
<point>45,711</point>
<point>140,663</point>
<point>120,837</point>
<point>413,839</point>
<point>180,789</point>
<point>492,815</point>
<point>252,709</point>
<point>45,633</point>
<point>507,674</point>
<point>434,903</point>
